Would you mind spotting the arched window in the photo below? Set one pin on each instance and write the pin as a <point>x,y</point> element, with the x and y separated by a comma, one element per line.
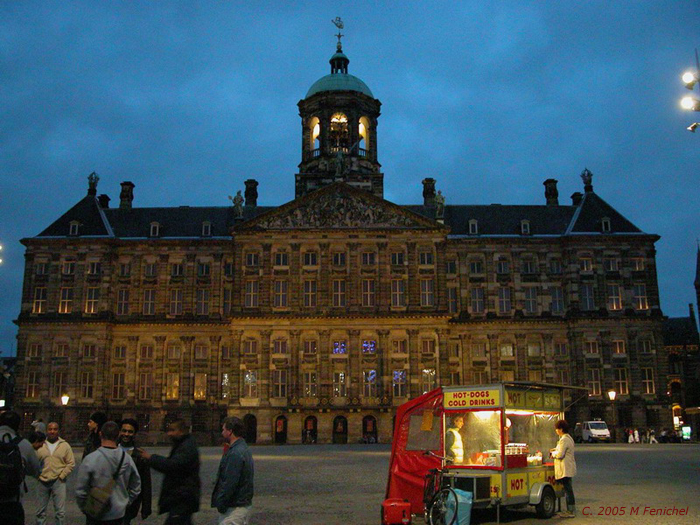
<point>280,430</point>
<point>364,137</point>
<point>315,136</point>
<point>340,430</point>
<point>339,134</point>
<point>250,428</point>
<point>309,432</point>
<point>369,429</point>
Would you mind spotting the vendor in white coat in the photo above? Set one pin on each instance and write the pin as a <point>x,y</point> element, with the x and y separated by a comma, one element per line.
<point>454,447</point>
<point>565,466</point>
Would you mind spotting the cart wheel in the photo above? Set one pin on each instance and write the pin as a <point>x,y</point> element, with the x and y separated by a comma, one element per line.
<point>443,508</point>
<point>545,508</point>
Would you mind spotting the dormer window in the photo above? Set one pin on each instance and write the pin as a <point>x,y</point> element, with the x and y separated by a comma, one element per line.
<point>206,229</point>
<point>525,227</point>
<point>155,229</point>
<point>73,228</point>
<point>473,227</point>
<point>605,224</point>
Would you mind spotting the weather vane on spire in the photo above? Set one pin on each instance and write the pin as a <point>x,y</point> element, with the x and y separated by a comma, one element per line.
<point>339,24</point>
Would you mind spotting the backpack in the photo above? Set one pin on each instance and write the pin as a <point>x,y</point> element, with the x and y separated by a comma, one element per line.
<point>11,467</point>
<point>98,501</point>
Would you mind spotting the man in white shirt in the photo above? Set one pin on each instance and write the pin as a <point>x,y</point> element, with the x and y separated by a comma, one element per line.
<point>57,463</point>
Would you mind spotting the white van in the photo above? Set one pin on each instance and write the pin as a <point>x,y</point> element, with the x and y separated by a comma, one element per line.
<point>592,431</point>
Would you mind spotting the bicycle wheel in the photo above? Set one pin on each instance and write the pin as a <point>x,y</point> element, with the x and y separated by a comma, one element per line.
<point>443,508</point>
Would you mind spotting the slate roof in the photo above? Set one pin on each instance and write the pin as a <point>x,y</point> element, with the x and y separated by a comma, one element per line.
<point>493,220</point>
<point>680,331</point>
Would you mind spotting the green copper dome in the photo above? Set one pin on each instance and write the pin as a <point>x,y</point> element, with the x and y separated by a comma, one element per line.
<point>339,82</point>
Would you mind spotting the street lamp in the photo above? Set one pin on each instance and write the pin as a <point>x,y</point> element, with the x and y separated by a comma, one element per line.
<point>64,399</point>
<point>690,79</point>
<point>612,395</point>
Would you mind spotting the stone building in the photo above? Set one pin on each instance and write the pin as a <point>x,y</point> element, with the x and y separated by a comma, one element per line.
<point>313,320</point>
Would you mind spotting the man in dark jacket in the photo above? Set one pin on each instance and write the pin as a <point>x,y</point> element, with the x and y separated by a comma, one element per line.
<point>93,441</point>
<point>127,433</point>
<point>180,492</point>
<point>233,492</point>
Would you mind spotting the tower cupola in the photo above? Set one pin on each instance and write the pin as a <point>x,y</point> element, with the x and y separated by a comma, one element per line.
<point>339,138</point>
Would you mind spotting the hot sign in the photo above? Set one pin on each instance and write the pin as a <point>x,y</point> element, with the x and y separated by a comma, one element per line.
<point>472,399</point>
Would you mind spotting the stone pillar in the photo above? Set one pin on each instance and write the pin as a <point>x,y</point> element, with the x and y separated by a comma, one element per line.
<point>355,371</point>
<point>186,372</point>
<point>443,361</point>
<point>235,379</point>
<point>265,367</point>
<point>159,356</point>
<point>414,363</point>
<point>385,380</point>
<point>214,372</point>
<point>325,373</point>
<point>294,379</point>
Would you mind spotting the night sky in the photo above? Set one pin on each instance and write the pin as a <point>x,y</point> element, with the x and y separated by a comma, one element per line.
<point>189,99</point>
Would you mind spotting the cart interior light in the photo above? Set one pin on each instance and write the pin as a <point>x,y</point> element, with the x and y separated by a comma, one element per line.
<point>483,415</point>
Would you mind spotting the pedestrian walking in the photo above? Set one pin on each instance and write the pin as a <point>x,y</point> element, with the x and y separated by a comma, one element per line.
<point>18,459</point>
<point>92,442</point>
<point>565,466</point>
<point>233,491</point>
<point>57,461</point>
<point>127,434</point>
<point>636,435</point>
<point>630,436</point>
<point>109,465</point>
<point>181,489</point>
<point>652,436</point>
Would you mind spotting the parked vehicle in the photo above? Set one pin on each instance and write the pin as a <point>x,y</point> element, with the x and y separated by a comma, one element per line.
<point>591,432</point>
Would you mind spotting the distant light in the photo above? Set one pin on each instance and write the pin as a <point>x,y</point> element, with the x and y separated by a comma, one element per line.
<point>690,103</point>
<point>612,395</point>
<point>689,79</point>
<point>2,403</point>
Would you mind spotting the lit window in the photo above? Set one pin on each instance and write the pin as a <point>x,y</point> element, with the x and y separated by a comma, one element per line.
<point>400,383</point>
<point>506,350</point>
<point>648,381</point>
<point>65,305</point>
<point>310,384</point>
<point>200,386</point>
<point>250,384</point>
<point>172,386</point>
<point>39,303</point>
<point>226,385</point>
<point>369,383</point>
<point>428,380</point>
<point>340,347</point>
<point>594,382</point>
<point>534,350</point>
<point>369,347</point>
<point>340,386</point>
<point>639,292</point>
<point>614,297</point>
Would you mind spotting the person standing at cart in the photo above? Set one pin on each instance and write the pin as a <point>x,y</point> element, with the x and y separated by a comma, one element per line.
<point>565,466</point>
<point>454,447</point>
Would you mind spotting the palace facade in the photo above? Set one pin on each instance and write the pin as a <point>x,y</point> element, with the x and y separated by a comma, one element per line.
<point>315,319</point>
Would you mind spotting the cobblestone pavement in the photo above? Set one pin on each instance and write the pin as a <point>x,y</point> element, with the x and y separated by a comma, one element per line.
<point>344,484</point>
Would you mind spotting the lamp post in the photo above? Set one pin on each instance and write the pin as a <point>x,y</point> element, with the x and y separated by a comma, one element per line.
<point>612,395</point>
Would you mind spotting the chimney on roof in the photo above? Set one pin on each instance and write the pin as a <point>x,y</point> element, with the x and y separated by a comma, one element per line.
<point>251,193</point>
<point>126,197</point>
<point>576,198</point>
<point>551,194</point>
<point>691,313</point>
<point>104,201</point>
<point>429,192</point>
<point>93,179</point>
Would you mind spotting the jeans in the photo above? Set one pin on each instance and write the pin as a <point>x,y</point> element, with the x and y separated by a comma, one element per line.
<point>51,490</point>
<point>569,492</point>
<point>235,516</point>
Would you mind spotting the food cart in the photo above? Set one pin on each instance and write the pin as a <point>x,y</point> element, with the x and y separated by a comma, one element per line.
<point>507,431</point>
